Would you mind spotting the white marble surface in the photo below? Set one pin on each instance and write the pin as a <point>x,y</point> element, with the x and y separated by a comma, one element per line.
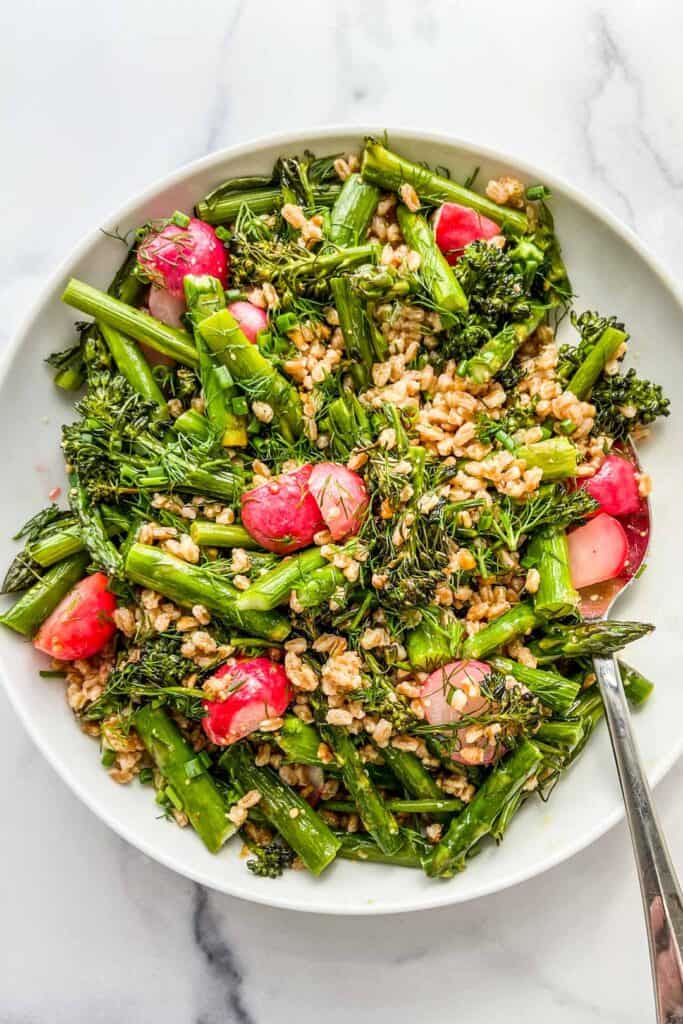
<point>98,99</point>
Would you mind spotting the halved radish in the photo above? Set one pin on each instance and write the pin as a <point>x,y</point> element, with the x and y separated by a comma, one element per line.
<point>252,319</point>
<point>283,515</point>
<point>82,623</point>
<point>456,226</point>
<point>166,256</point>
<point>259,689</point>
<point>341,496</point>
<point>449,693</point>
<point>614,486</point>
<point>166,307</point>
<point>597,551</point>
<point>637,529</point>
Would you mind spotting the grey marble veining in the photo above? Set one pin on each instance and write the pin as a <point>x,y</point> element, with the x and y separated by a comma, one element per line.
<point>100,99</point>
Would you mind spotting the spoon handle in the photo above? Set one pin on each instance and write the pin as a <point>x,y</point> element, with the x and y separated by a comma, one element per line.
<point>661,892</point>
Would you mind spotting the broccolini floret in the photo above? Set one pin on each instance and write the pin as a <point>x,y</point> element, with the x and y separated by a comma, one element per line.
<point>271,861</point>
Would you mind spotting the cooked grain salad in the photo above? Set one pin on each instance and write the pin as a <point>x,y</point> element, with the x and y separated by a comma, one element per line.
<point>335,496</point>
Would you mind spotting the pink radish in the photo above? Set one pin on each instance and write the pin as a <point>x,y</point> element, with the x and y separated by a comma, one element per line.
<point>597,551</point>
<point>449,693</point>
<point>341,496</point>
<point>166,307</point>
<point>259,689</point>
<point>456,226</point>
<point>166,256</point>
<point>82,623</point>
<point>637,529</point>
<point>614,486</point>
<point>283,515</point>
<point>252,319</point>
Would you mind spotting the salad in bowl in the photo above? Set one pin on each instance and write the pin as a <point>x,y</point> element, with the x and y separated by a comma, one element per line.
<point>335,497</point>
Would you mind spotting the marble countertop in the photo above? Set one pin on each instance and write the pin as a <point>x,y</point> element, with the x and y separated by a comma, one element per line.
<point>97,101</point>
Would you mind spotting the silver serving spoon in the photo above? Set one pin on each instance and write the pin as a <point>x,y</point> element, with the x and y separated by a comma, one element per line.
<point>659,886</point>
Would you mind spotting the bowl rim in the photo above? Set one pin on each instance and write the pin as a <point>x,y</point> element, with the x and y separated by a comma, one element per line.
<point>440,896</point>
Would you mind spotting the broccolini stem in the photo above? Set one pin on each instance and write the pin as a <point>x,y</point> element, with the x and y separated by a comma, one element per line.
<point>549,553</point>
<point>204,297</point>
<point>517,621</point>
<point>192,584</point>
<point>224,209</point>
<point>389,171</point>
<point>130,321</point>
<point>376,817</point>
<point>198,794</point>
<point>437,805</point>
<point>275,586</point>
<point>435,271</point>
<point>93,533</point>
<point>193,424</point>
<point>296,821</point>
<point>352,212</point>
<point>556,456</point>
<point>360,847</point>
<point>208,534</point>
<point>60,544</point>
<point>34,606</point>
<point>479,816</point>
<point>132,365</point>
<point>431,644</point>
<point>636,686</point>
<point>415,779</point>
<point>590,369</point>
<point>497,353</point>
<point>252,371</point>
<point>551,688</point>
<point>299,741</point>
<point>319,586</point>
<point>356,330</point>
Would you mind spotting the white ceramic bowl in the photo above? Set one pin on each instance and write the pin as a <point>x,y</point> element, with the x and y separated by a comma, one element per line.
<point>610,271</point>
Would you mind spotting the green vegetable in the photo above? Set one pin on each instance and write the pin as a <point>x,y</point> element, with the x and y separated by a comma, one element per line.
<point>605,348</point>
<point>355,326</point>
<point>294,819</point>
<point>192,584</point>
<point>556,456</point>
<point>551,688</point>
<point>389,171</point>
<point>204,297</point>
<point>206,533</point>
<point>624,402</point>
<point>198,795</point>
<point>586,639</point>
<point>376,817</point>
<point>319,586</point>
<point>130,321</point>
<point>517,621</point>
<point>352,212</point>
<point>438,276</point>
<point>270,861</point>
<point>33,607</point>
<point>252,371</point>
<point>497,353</point>
<point>360,847</point>
<point>549,553</point>
<point>433,806</point>
<point>479,816</point>
<point>132,365</point>
<point>416,781</point>
<point>435,641</point>
<point>275,586</point>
